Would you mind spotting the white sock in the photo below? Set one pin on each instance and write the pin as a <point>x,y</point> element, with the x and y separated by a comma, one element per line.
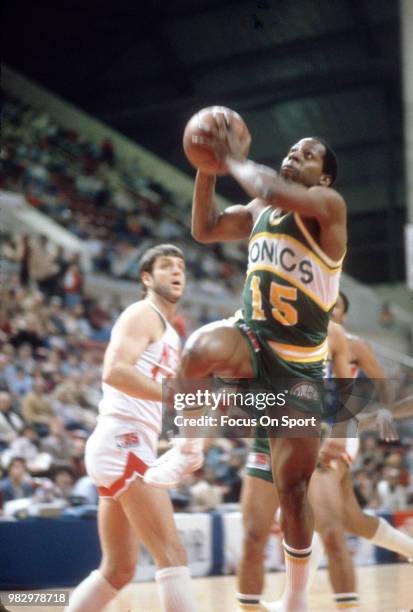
<point>297,569</point>
<point>175,589</point>
<point>346,601</point>
<point>92,594</point>
<point>317,550</point>
<point>388,537</point>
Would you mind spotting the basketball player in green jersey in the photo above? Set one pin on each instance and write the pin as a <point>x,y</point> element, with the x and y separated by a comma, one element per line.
<point>332,502</point>
<point>296,225</point>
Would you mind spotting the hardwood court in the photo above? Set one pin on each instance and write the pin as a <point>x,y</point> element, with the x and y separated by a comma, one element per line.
<point>382,588</point>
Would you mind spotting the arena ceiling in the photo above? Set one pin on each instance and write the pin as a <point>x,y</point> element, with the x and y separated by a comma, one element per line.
<point>313,67</point>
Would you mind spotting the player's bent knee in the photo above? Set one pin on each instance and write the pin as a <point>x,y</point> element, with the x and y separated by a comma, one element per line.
<point>292,492</point>
<point>333,538</point>
<point>255,540</point>
<point>200,354</point>
<point>119,575</point>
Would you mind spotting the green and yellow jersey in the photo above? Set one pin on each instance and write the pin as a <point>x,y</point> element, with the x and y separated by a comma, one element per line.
<point>290,289</point>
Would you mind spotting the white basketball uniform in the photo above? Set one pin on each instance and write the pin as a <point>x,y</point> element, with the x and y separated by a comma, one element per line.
<point>352,441</point>
<point>124,442</point>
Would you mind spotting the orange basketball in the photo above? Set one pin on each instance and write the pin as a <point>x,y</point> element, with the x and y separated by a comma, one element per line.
<point>201,155</point>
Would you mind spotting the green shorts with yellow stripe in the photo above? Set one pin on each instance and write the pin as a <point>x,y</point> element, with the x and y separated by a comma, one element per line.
<point>272,371</point>
<point>269,365</point>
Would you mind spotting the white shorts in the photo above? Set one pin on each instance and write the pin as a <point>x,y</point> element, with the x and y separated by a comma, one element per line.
<point>119,451</point>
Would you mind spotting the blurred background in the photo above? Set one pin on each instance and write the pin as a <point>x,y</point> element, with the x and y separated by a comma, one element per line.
<point>96,96</point>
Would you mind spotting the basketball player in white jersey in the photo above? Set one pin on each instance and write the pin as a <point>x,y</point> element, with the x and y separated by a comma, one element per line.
<point>143,349</point>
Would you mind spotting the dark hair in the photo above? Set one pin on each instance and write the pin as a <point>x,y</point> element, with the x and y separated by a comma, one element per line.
<point>330,165</point>
<point>15,459</point>
<point>346,302</point>
<point>148,259</point>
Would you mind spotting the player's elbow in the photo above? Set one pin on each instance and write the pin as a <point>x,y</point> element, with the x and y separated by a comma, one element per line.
<point>202,236</point>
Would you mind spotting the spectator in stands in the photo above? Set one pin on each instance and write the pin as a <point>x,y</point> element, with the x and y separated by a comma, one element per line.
<point>3,366</point>
<point>29,330</point>
<point>64,479</point>
<point>84,488</point>
<point>43,268</point>
<point>10,422</point>
<point>57,315</point>
<point>76,323</point>
<point>392,495</point>
<point>25,359</point>
<point>73,285</point>
<point>206,495</point>
<point>71,404</point>
<point>107,153</point>
<point>386,317</point>
<point>36,407</point>
<point>20,383</point>
<point>26,447</point>
<point>24,255</point>
<point>16,485</point>
<point>57,443</point>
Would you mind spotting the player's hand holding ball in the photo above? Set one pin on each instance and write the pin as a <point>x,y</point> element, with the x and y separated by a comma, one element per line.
<point>213,134</point>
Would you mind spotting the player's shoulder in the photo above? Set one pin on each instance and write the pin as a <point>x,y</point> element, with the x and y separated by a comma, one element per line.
<point>139,315</point>
<point>335,201</point>
<point>336,333</point>
<point>256,207</point>
<point>358,344</point>
<point>335,329</point>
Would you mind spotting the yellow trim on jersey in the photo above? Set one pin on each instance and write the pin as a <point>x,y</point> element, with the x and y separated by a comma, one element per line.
<point>293,281</point>
<point>330,262</point>
<point>347,605</point>
<point>300,354</point>
<point>309,252</point>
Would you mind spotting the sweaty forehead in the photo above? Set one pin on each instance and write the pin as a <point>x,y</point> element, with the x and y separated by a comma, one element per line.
<point>310,144</point>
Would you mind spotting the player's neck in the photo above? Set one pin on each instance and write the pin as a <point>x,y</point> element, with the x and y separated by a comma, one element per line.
<point>167,308</point>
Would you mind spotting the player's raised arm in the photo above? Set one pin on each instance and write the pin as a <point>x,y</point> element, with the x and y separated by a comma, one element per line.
<point>131,335</point>
<point>211,225</point>
<point>368,362</point>
<point>339,350</point>
<point>318,202</point>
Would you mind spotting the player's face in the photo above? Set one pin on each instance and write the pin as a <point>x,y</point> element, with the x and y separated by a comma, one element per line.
<point>168,277</point>
<point>304,163</point>
<point>338,315</point>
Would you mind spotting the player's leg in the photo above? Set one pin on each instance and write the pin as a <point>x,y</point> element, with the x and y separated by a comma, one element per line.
<point>149,511</point>
<point>293,462</point>
<point>328,506</point>
<point>257,518</point>
<point>373,528</point>
<point>217,348</point>
<point>119,558</point>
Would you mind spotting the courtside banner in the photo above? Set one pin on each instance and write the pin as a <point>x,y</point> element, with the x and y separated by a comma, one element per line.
<point>288,407</point>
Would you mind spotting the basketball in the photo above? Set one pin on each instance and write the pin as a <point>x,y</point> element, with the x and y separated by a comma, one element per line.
<point>201,155</point>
